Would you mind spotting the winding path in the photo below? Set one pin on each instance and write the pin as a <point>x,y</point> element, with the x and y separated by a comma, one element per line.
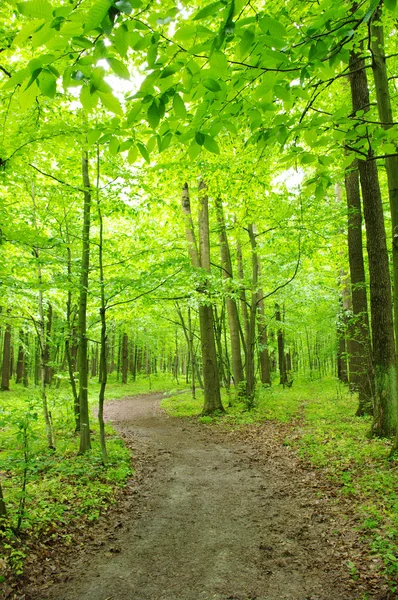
<point>207,518</point>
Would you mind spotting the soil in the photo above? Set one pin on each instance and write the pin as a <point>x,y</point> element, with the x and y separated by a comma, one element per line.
<point>212,515</point>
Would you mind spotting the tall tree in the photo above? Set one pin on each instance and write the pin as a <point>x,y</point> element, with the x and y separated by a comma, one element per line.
<point>212,395</point>
<point>384,359</point>
<point>361,367</point>
<point>5,370</point>
<point>232,309</point>
<point>85,442</point>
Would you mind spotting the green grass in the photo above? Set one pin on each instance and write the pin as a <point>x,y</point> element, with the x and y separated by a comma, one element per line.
<point>61,485</point>
<point>326,433</point>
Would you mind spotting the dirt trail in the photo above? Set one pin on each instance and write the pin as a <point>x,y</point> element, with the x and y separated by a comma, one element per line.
<point>206,518</point>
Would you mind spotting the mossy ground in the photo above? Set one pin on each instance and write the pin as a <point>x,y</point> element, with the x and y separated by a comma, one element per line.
<point>324,430</point>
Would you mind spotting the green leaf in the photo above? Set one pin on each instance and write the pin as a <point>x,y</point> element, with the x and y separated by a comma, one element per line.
<point>390,4</point>
<point>151,55</point>
<point>121,39</point>
<point>88,100</point>
<point>211,145</point>
<point>82,42</point>
<point>97,81</point>
<point>153,115</point>
<point>48,84</point>
<point>132,155</point>
<point>134,112</point>
<point>37,9</point>
<point>179,106</point>
<point>219,61</point>
<point>229,126</point>
<point>199,138</point>
<point>119,68</point>
<point>124,6</point>
<point>184,33</point>
<point>93,136</point>
<point>164,142</point>
<point>246,42</point>
<point>144,152</point>
<point>194,150</point>
<point>111,103</point>
<point>114,146</point>
<point>16,79</point>
<point>208,11</point>
<point>211,84</point>
<point>171,69</point>
<point>272,26</point>
<point>96,14</point>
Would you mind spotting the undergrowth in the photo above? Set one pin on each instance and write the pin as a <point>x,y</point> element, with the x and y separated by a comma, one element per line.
<point>326,433</point>
<point>47,490</point>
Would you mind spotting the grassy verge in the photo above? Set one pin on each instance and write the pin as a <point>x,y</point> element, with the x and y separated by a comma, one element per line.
<point>326,433</point>
<point>60,486</point>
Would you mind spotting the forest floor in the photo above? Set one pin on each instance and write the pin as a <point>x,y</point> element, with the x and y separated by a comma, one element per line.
<point>211,514</point>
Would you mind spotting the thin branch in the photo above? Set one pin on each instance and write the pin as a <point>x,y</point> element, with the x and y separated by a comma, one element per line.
<point>143,293</point>
<point>56,178</point>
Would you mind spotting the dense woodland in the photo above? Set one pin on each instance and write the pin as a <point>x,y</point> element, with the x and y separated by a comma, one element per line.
<point>203,193</point>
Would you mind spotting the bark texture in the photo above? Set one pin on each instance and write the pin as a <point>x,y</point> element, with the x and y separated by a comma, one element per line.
<point>361,367</point>
<point>384,416</point>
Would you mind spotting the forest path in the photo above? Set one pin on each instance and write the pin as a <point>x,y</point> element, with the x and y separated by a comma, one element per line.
<point>206,517</point>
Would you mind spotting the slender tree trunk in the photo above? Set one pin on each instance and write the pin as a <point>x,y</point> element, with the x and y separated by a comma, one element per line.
<point>70,340</point>
<point>232,309</point>
<point>3,510</point>
<point>188,332</point>
<point>281,348</point>
<point>41,331</point>
<point>46,351</point>
<point>5,370</point>
<point>20,359</point>
<point>125,357</point>
<point>212,396</point>
<point>26,361</point>
<point>265,372</point>
<point>385,407</point>
<point>104,340</point>
<point>343,329</point>
<point>361,367</point>
<point>251,330</point>
<point>242,295</point>
<point>85,441</point>
<point>134,372</point>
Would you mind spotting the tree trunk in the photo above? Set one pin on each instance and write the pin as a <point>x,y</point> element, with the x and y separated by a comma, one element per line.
<point>251,329</point>
<point>46,352</point>
<point>386,117</point>
<point>212,396</point>
<point>385,407</point>
<point>70,340</point>
<point>85,441</point>
<point>125,357</point>
<point>232,309</point>
<point>20,359</point>
<point>361,368</point>
<point>41,335</point>
<point>104,341</point>
<point>5,370</point>
<point>3,510</point>
<point>265,372</point>
<point>281,348</point>
<point>26,361</point>
<point>242,296</point>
